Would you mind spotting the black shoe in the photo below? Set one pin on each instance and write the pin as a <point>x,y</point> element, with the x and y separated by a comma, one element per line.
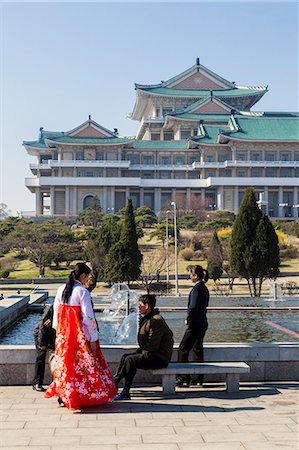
<point>37,388</point>
<point>123,395</point>
<point>60,402</point>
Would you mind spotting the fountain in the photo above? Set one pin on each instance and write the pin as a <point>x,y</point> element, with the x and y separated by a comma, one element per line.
<point>276,294</point>
<point>123,310</point>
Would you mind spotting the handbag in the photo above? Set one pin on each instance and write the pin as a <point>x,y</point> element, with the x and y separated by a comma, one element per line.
<point>51,361</point>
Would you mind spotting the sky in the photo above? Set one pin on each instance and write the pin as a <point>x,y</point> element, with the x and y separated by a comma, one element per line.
<point>62,61</point>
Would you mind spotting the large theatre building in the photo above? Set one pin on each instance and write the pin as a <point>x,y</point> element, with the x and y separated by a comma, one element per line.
<point>197,137</point>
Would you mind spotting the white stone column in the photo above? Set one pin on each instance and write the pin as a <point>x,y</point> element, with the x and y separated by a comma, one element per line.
<point>141,196</point>
<point>203,194</point>
<point>236,199</point>
<point>67,200</point>
<point>157,200</point>
<point>75,205</point>
<point>220,194</point>
<point>52,200</point>
<point>188,198</point>
<point>127,194</point>
<point>280,201</point>
<point>295,203</point>
<point>112,199</point>
<point>233,153</point>
<point>105,199</point>
<point>266,198</point>
<point>38,202</point>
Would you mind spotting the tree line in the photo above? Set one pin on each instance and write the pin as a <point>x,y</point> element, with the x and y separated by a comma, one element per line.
<point>110,242</point>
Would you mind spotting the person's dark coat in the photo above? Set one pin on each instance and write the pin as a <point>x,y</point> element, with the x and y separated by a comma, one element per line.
<point>45,336</point>
<point>197,306</point>
<point>155,338</point>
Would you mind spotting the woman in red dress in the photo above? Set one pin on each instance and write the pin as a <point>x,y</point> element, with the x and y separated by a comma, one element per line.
<point>81,376</point>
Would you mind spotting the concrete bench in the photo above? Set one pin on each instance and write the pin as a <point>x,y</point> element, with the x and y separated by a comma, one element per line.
<point>231,369</point>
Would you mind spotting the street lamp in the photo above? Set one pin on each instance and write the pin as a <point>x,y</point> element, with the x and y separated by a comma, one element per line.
<point>167,254</point>
<point>175,250</point>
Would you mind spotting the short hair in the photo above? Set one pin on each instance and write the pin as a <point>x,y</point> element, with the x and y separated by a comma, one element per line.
<point>148,299</point>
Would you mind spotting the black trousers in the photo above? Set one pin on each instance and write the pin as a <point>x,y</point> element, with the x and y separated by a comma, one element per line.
<point>40,364</point>
<point>130,362</point>
<point>192,341</point>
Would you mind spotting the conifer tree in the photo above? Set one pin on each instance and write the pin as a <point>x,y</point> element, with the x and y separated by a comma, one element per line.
<point>215,258</point>
<point>122,262</point>
<point>132,255</point>
<point>251,246</point>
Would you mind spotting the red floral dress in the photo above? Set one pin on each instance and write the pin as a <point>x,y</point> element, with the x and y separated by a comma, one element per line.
<point>80,378</point>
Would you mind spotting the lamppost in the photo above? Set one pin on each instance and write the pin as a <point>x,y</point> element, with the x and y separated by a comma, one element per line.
<point>167,254</point>
<point>175,250</point>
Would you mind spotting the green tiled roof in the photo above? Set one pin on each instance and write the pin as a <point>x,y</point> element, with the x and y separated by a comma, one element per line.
<point>84,140</point>
<point>211,135</point>
<point>268,128</point>
<point>34,144</point>
<point>161,145</point>
<point>238,92</point>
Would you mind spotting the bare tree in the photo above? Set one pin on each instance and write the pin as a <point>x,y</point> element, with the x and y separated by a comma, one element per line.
<point>153,263</point>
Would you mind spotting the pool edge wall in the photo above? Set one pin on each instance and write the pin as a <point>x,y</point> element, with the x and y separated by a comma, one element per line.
<point>268,362</point>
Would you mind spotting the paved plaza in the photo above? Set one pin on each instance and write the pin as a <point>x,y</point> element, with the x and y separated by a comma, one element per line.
<point>260,417</point>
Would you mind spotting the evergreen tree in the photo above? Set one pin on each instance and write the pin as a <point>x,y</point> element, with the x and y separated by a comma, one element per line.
<point>129,240</point>
<point>123,260</point>
<point>215,258</point>
<point>113,268</point>
<point>267,252</point>
<point>249,245</point>
<point>92,215</point>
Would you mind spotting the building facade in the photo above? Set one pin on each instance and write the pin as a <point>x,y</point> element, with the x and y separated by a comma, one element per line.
<point>197,138</point>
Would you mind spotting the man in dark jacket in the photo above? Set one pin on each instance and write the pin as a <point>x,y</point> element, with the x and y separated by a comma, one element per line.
<point>196,323</point>
<point>155,341</point>
<point>44,336</point>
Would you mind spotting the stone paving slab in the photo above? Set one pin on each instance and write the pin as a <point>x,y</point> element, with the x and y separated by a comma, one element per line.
<point>260,417</point>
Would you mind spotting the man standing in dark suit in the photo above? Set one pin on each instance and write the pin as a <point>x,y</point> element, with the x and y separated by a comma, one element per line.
<point>196,323</point>
<point>44,336</point>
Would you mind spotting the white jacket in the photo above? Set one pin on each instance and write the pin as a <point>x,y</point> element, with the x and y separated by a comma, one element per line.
<point>79,297</point>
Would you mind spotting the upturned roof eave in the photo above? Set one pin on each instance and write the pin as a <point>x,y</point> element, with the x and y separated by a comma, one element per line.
<point>233,138</point>
<point>56,143</point>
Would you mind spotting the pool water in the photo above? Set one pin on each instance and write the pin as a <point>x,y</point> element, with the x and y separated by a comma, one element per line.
<point>236,326</point>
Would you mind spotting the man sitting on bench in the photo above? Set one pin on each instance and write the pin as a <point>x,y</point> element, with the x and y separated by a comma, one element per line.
<point>155,341</point>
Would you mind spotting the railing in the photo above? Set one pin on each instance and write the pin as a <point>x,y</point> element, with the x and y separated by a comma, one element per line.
<point>239,163</point>
<point>82,163</point>
<point>161,167</point>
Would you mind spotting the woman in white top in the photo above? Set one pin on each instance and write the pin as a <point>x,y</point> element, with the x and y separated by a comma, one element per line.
<point>81,377</point>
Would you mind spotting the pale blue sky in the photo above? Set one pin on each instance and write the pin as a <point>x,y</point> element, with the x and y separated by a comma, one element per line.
<point>63,61</point>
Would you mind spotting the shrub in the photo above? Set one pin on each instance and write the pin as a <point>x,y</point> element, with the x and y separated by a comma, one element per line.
<point>281,236</point>
<point>4,274</point>
<point>187,254</point>
<point>189,221</point>
<point>198,254</point>
<point>288,252</point>
<point>160,287</point>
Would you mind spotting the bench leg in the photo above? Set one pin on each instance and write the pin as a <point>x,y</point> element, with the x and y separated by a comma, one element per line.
<point>232,382</point>
<point>168,383</point>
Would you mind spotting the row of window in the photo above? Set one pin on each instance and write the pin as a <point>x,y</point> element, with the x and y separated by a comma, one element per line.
<point>166,174</point>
